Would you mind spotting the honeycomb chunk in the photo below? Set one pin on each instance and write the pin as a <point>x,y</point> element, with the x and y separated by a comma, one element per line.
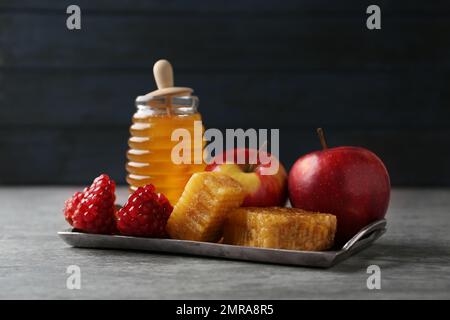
<point>205,203</point>
<point>281,228</point>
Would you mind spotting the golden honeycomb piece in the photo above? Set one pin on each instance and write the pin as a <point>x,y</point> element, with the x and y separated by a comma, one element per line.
<point>205,203</point>
<point>281,228</point>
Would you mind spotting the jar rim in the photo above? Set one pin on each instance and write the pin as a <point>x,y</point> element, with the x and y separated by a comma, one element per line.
<point>182,101</point>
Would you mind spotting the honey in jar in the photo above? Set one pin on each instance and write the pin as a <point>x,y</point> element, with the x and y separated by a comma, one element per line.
<point>159,113</point>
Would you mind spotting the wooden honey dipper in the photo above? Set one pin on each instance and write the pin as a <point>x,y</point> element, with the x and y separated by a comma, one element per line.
<point>163,73</point>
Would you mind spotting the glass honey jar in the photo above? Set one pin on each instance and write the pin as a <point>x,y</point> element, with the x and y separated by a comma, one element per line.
<point>159,114</point>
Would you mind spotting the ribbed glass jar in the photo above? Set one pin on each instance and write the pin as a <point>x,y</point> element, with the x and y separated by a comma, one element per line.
<point>149,158</point>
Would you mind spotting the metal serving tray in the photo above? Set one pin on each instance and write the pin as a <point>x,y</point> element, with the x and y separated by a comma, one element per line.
<point>323,259</point>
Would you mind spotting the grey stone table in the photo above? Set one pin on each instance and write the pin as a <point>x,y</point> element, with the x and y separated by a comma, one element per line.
<point>414,257</point>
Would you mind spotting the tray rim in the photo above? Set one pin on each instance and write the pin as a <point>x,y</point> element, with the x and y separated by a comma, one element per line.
<point>364,238</point>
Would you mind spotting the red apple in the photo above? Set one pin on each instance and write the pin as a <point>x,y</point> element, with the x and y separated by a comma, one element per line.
<point>349,182</point>
<point>263,189</point>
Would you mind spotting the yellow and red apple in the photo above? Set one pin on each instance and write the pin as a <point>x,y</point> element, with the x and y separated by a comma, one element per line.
<point>265,181</point>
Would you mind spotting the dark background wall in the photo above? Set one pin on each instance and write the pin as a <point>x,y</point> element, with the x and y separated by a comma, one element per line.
<point>66,97</point>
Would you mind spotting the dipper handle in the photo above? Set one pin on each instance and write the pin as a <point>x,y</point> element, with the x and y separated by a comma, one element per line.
<point>163,73</point>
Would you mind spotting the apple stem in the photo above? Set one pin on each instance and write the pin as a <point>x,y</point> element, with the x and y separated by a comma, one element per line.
<point>323,141</point>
